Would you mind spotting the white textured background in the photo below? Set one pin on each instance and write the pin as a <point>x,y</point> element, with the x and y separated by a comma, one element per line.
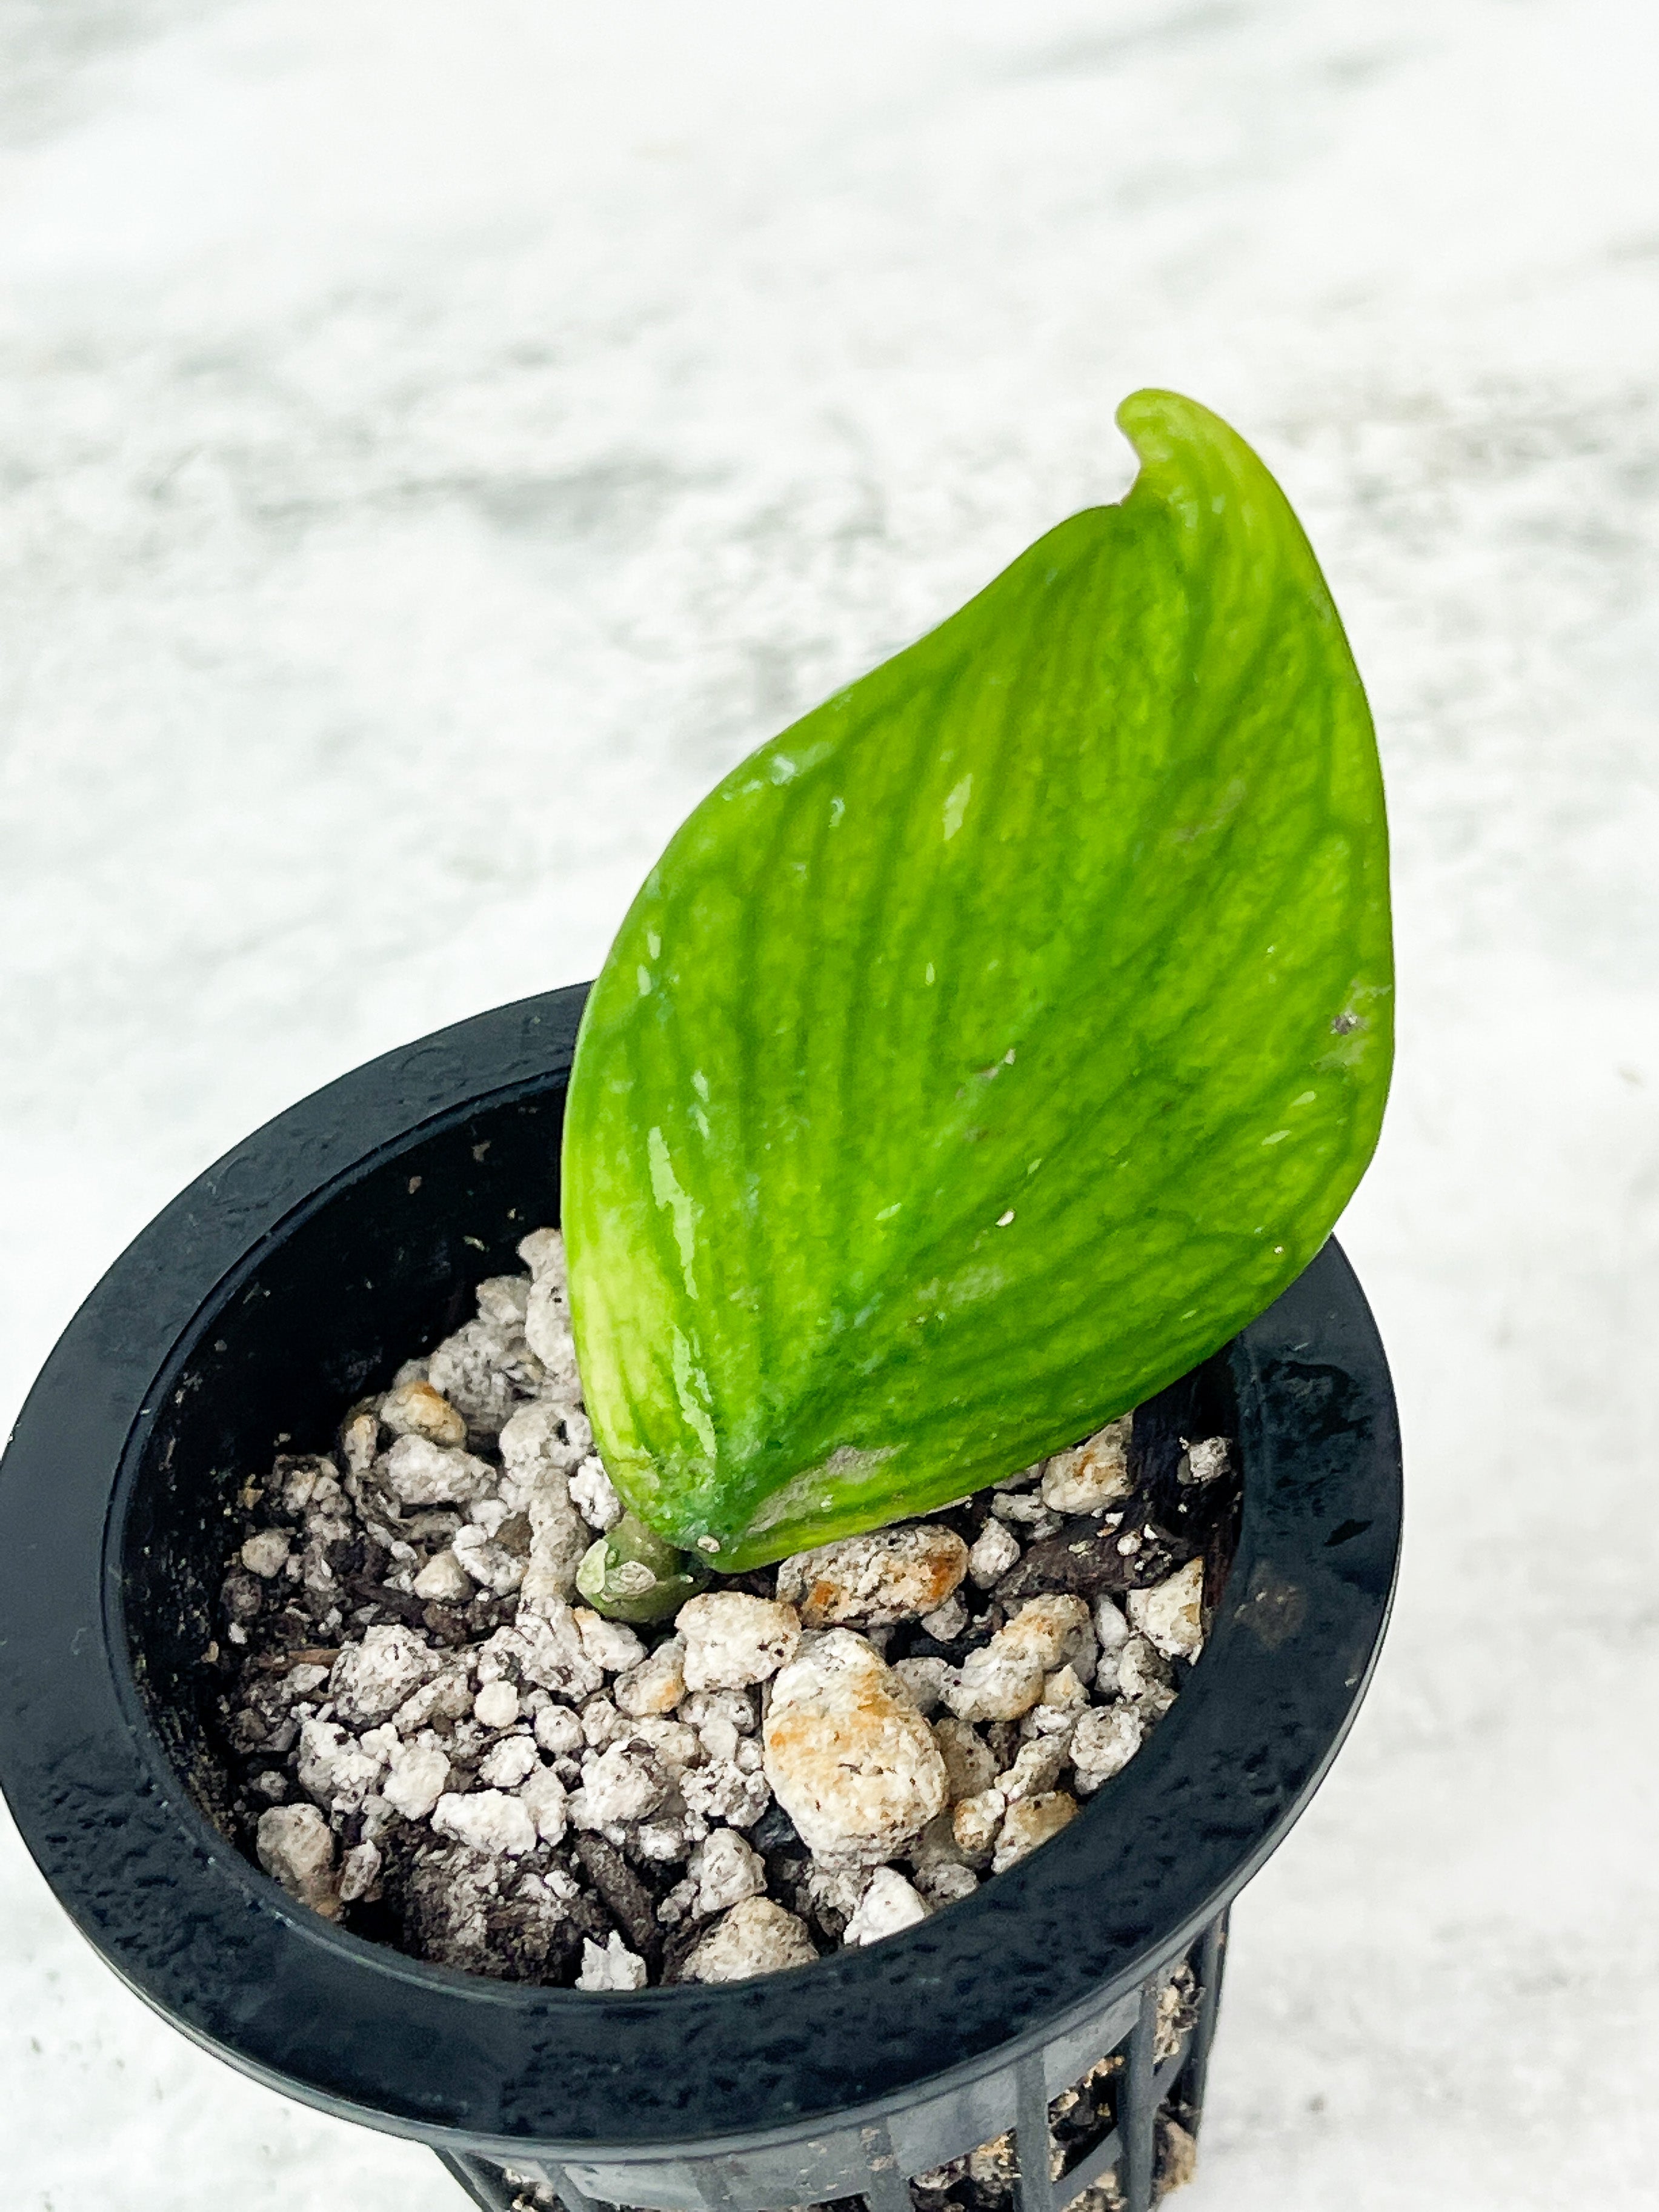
<point>439,439</point>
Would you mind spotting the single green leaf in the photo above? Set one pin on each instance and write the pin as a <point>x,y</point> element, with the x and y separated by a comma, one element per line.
<point>992,1045</point>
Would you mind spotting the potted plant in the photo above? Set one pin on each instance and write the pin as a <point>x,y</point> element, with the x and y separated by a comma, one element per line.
<point>988,1056</point>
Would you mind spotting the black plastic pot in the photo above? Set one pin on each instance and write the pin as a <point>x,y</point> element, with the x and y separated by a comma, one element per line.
<point>297,1274</point>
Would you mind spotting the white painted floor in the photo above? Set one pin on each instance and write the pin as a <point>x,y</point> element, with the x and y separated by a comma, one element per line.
<point>439,439</point>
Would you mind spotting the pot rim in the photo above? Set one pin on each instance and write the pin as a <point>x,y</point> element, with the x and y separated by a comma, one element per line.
<point>359,2030</point>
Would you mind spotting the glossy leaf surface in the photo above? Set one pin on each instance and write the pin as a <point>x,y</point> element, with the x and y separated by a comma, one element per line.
<point>990,1046</point>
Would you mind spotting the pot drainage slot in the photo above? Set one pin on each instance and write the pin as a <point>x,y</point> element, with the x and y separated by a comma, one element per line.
<point>1117,2140</point>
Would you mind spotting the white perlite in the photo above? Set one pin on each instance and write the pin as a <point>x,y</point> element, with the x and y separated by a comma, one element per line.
<point>875,1581</point>
<point>889,1904</point>
<point>995,1550</point>
<point>1206,1460</point>
<point>371,1678</point>
<point>621,1785</point>
<point>594,1496</point>
<point>1104,1742</point>
<point>487,1820</point>
<point>1170,1615</point>
<point>612,1644</point>
<point>1144,1676</point>
<point>1037,1767</point>
<point>416,1409</point>
<point>756,1937</point>
<point>851,1761</point>
<point>335,1769</point>
<point>504,1300</point>
<point>722,1872</point>
<point>265,1554</point>
<point>420,1473</point>
<point>419,1777</point>
<point>359,1872</point>
<point>612,1966</point>
<point>297,1849</point>
<point>1029,1823</point>
<point>496,1705</point>
<point>544,1443</point>
<point>656,1684</point>
<point>486,1371</point>
<point>1004,1678</point>
<point>732,1640</point>
<point>516,1777</point>
<point>559,1730</point>
<point>543,1647</point>
<point>489,1564</point>
<point>976,1822</point>
<point>543,1796</point>
<point>508,1763</point>
<point>443,1580</point>
<point>1087,1479</point>
<point>541,1446</point>
<point>969,1764</point>
<point>948,1622</point>
<point>923,1681</point>
<point>547,1310</point>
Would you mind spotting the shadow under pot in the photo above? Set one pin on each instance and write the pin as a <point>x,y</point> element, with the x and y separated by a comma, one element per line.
<point>1051,2029</point>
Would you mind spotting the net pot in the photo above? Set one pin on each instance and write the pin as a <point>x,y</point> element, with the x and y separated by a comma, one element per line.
<point>295,1275</point>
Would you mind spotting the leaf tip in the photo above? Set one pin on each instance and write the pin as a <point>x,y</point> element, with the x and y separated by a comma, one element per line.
<point>1159,423</point>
